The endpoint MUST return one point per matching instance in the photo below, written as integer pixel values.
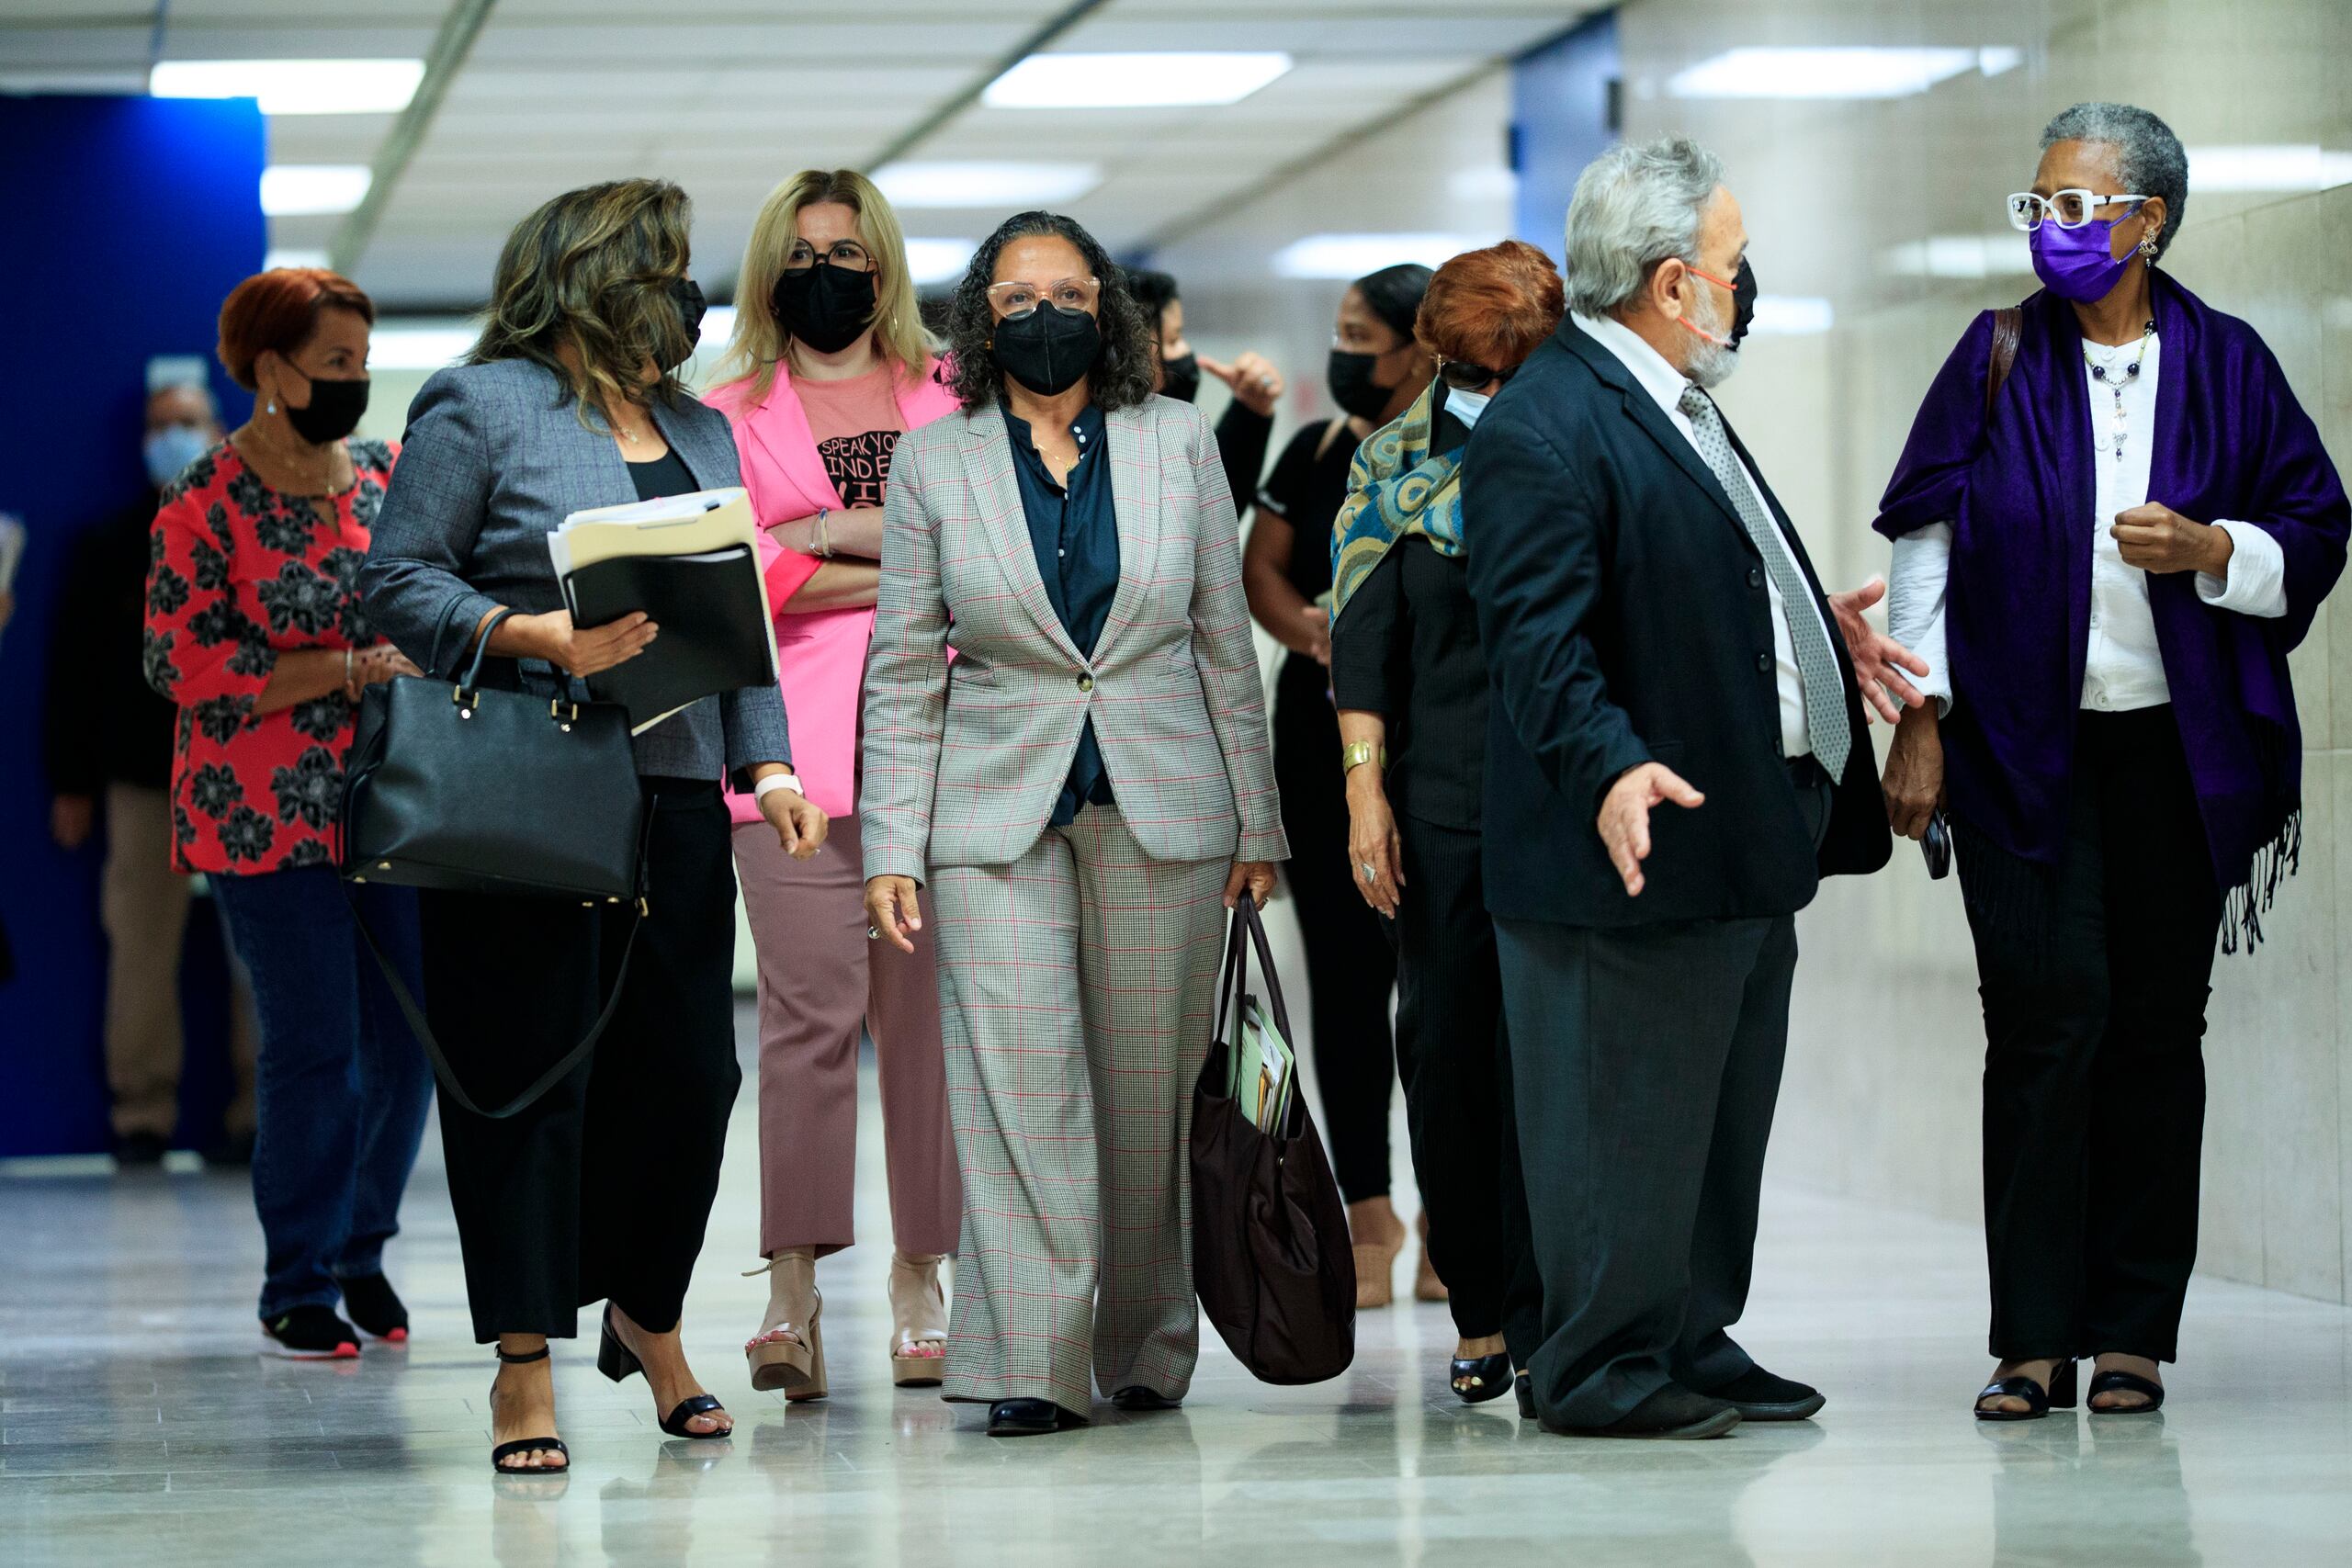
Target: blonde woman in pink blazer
(828, 366)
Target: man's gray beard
(1710, 363)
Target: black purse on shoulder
(476, 790)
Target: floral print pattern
(238, 575)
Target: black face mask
(334, 412)
(1180, 377)
(824, 306)
(1742, 301)
(1049, 350)
(691, 307)
(1352, 388)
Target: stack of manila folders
(692, 564)
(1264, 1071)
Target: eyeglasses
(2067, 209)
(847, 255)
(1018, 299)
(1464, 377)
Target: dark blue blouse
(1075, 531)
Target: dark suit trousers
(2095, 974)
(601, 1190)
(1646, 1061)
(1455, 1059)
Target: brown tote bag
(1270, 1259)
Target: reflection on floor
(137, 1426)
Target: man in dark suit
(1676, 757)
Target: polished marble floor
(139, 1427)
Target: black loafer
(1673, 1412)
(1137, 1397)
(1757, 1396)
(1024, 1417)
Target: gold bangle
(1356, 753)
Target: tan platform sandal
(1376, 1260)
(1427, 1286)
(919, 1312)
(790, 1353)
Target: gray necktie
(1825, 694)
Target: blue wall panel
(1562, 114)
(128, 221)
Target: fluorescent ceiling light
(420, 344)
(1790, 315)
(981, 184)
(304, 190)
(1760, 73)
(1353, 255)
(2268, 168)
(1132, 81)
(294, 86)
(937, 261)
(282, 255)
(2006, 255)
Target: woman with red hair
(255, 630)
(1410, 682)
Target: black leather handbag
(1270, 1259)
(475, 789)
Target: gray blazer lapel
(697, 443)
(1135, 458)
(987, 464)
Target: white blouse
(2124, 669)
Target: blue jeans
(341, 1083)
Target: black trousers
(1646, 1063)
(1455, 1058)
(601, 1189)
(1350, 968)
(2095, 974)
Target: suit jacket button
(1763, 661)
(1754, 578)
(1086, 683)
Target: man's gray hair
(2149, 158)
(1635, 206)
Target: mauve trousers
(820, 979)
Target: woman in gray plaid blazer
(1087, 788)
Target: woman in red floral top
(255, 630)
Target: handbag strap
(1247, 928)
(468, 681)
(2008, 332)
(566, 1064)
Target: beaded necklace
(2105, 373)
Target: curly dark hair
(1121, 377)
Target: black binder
(713, 619)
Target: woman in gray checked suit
(1088, 788)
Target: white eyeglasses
(2067, 209)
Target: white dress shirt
(1664, 384)
(2123, 669)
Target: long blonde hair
(594, 268)
(760, 341)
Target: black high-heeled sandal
(620, 1363)
(1477, 1379)
(527, 1445)
(2039, 1401)
(2118, 1382)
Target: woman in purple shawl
(2105, 558)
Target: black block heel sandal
(2126, 1383)
(618, 1362)
(524, 1445)
(1477, 1379)
(2037, 1403)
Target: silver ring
(1366, 868)
(873, 933)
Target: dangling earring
(271, 407)
(2148, 246)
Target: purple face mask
(2078, 264)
